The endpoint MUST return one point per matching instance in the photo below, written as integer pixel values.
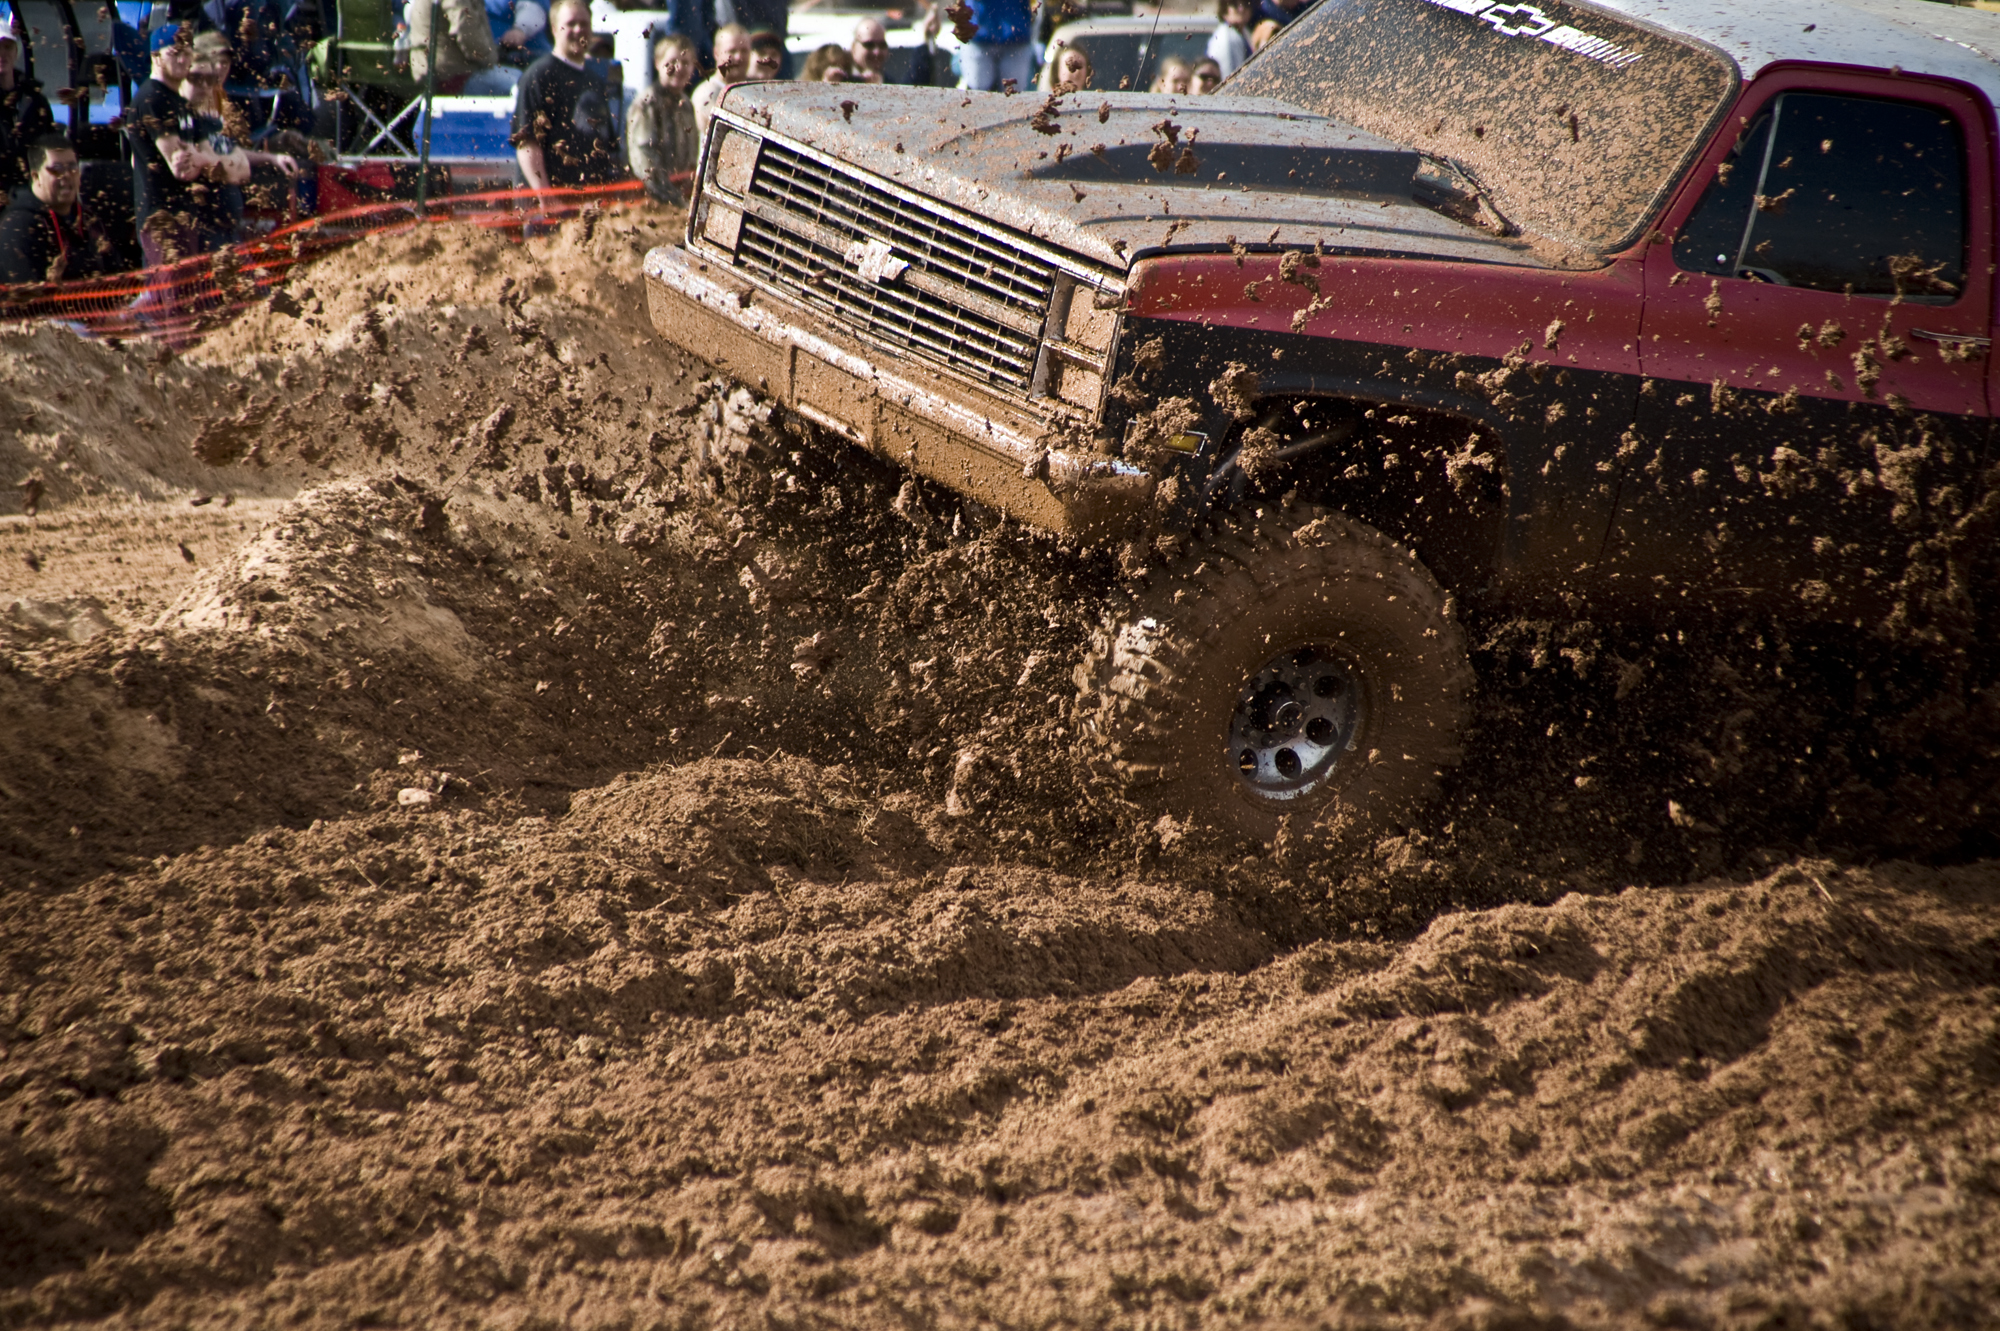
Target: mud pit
(610, 864)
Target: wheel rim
(1295, 719)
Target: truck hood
(1118, 176)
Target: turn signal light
(721, 224)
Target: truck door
(1815, 338)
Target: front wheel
(1305, 668)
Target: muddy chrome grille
(967, 301)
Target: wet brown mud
(608, 862)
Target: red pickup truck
(1645, 307)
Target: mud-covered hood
(1115, 176)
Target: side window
(1835, 193)
(1713, 235)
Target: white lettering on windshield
(1531, 21)
(1596, 48)
(1517, 20)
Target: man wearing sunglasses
(870, 50)
(45, 235)
(183, 162)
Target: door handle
(1953, 339)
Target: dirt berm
(497, 829)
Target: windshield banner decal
(1530, 21)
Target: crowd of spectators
(665, 125)
(211, 116)
(198, 128)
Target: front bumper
(979, 445)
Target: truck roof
(1919, 36)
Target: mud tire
(1160, 688)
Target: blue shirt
(1000, 22)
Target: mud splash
(543, 842)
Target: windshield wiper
(1471, 203)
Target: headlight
(735, 160)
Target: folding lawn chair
(371, 73)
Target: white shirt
(704, 98)
(1229, 48)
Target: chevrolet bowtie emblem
(875, 261)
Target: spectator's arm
(234, 166)
(192, 161)
(187, 161)
(725, 13)
(703, 99)
(534, 169)
(642, 154)
(531, 124)
(466, 21)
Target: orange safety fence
(174, 302)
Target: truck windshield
(1574, 122)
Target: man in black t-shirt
(181, 161)
(564, 133)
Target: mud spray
(498, 829)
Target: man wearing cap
(259, 43)
(45, 235)
(24, 112)
(767, 56)
(181, 160)
(755, 15)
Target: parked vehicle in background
(813, 28)
(1639, 308)
(1125, 53)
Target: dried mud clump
(1153, 434)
